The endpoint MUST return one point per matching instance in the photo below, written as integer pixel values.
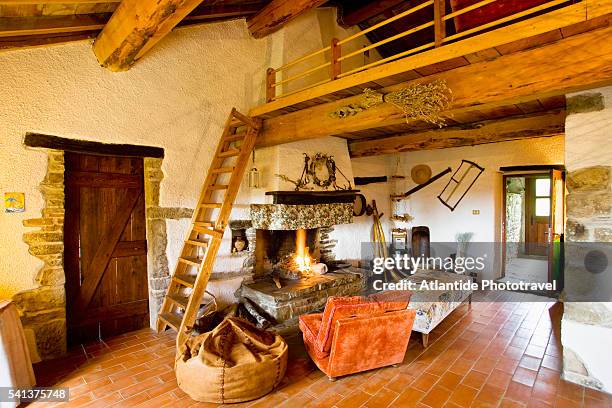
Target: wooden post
(439, 23)
(336, 68)
(270, 81)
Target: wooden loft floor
(507, 83)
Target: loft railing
(334, 57)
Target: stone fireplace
(294, 249)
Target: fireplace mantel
(313, 197)
(293, 217)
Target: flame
(302, 257)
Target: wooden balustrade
(439, 22)
(336, 51)
(334, 57)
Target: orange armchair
(356, 334)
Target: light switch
(475, 212)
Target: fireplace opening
(288, 254)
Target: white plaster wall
(177, 97)
(354, 239)
(485, 195)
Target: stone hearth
(306, 295)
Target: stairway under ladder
(208, 223)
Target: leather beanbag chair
(235, 362)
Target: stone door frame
(43, 308)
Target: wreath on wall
(320, 171)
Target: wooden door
(105, 246)
(557, 227)
(537, 215)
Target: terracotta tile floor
(492, 355)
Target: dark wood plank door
(105, 246)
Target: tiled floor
(495, 354)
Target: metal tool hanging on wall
(421, 186)
(460, 183)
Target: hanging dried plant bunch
(422, 101)
(418, 102)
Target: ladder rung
(172, 319)
(191, 260)
(213, 232)
(205, 224)
(223, 170)
(247, 120)
(218, 187)
(178, 299)
(210, 205)
(196, 243)
(185, 280)
(229, 153)
(234, 137)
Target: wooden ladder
(209, 220)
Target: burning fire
(302, 257)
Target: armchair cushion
(329, 317)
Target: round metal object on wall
(359, 206)
(420, 173)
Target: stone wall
(43, 309)
(157, 239)
(586, 328)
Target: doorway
(105, 246)
(533, 222)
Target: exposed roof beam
(19, 26)
(368, 11)
(203, 12)
(277, 13)
(24, 41)
(490, 131)
(22, 2)
(576, 63)
(135, 27)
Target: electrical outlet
(475, 212)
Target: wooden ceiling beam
(135, 27)
(471, 134)
(23, 2)
(368, 11)
(277, 13)
(22, 26)
(580, 62)
(203, 12)
(28, 41)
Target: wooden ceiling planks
(26, 23)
